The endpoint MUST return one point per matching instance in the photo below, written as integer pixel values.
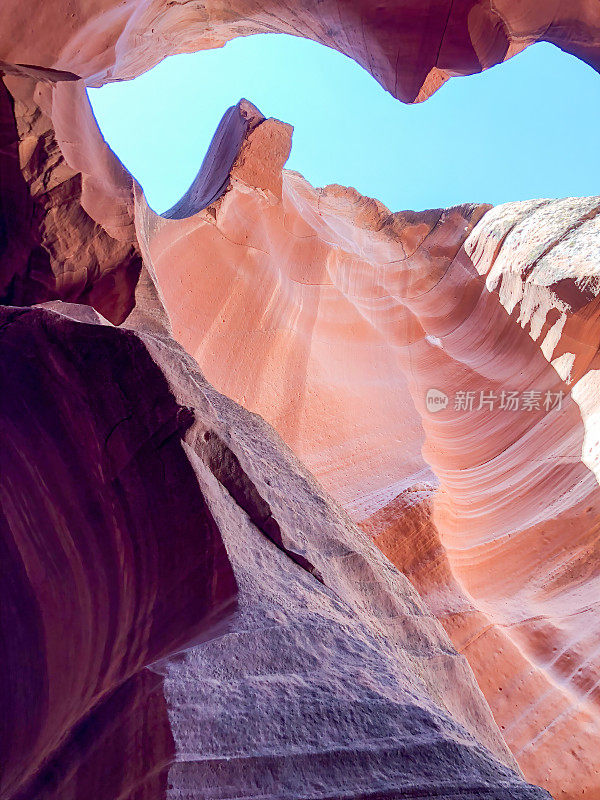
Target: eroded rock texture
(331, 680)
(347, 316)
(444, 325)
(185, 612)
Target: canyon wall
(326, 675)
(334, 320)
(185, 610)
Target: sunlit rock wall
(139, 504)
(335, 319)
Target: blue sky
(528, 128)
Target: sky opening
(524, 129)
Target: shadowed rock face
(213, 177)
(50, 246)
(331, 680)
(102, 573)
(184, 611)
(496, 522)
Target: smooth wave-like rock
(331, 680)
(409, 47)
(313, 293)
(139, 504)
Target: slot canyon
(299, 496)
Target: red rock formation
(102, 573)
(121, 508)
(63, 242)
(332, 679)
(409, 47)
(78, 243)
(316, 284)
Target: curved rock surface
(333, 319)
(77, 242)
(132, 519)
(332, 680)
(411, 48)
(101, 574)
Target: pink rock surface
(79, 243)
(409, 47)
(136, 498)
(332, 680)
(313, 293)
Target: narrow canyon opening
(522, 130)
(336, 320)
(300, 493)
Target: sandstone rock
(332, 680)
(137, 499)
(410, 48)
(111, 556)
(322, 288)
(56, 247)
(78, 242)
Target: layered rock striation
(185, 611)
(323, 289)
(330, 680)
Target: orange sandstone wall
(332, 318)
